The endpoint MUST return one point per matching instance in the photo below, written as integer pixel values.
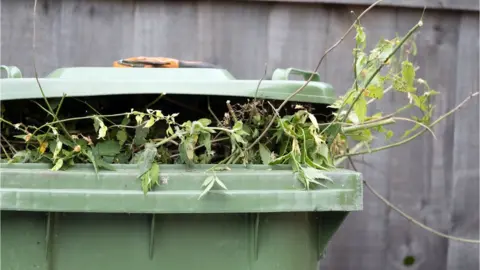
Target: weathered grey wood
(240, 40)
(464, 190)
(158, 29)
(471, 5)
(17, 35)
(362, 240)
(296, 37)
(440, 46)
(424, 194)
(95, 33)
(435, 181)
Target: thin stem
(355, 59)
(368, 125)
(341, 159)
(94, 110)
(154, 101)
(211, 112)
(418, 123)
(56, 115)
(166, 140)
(410, 218)
(232, 113)
(260, 82)
(267, 128)
(44, 109)
(80, 118)
(9, 144)
(9, 123)
(222, 129)
(5, 152)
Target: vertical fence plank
(17, 35)
(297, 36)
(240, 37)
(465, 177)
(95, 33)
(166, 30)
(420, 171)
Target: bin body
(72, 220)
(284, 241)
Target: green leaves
(99, 127)
(360, 37)
(108, 148)
(209, 183)
(187, 150)
(374, 91)
(150, 177)
(406, 80)
(149, 169)
(206, 140)
(140, 135)
(58, 148)
(408, 76)
(100, 152)
(265, 154)
(314, 121)
(58, 165)
(122, 136)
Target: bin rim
(256, 188)
(104, 81)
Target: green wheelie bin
(78, 219)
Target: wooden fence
(436, 181)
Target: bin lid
(102, 81)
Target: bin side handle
(283, 74)
(12, 71)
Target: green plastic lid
(101, 81)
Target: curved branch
(410, 218)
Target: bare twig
(9, 144)
(211, 112)
(410, 218)
(260, 82)
(94, 110)
(5, 152)
(230, 109)
(256, 92)
(368, 125)
(149, 105)
(355, 59)
(416, 122)
(265, 130)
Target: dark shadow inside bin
(189, 107)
